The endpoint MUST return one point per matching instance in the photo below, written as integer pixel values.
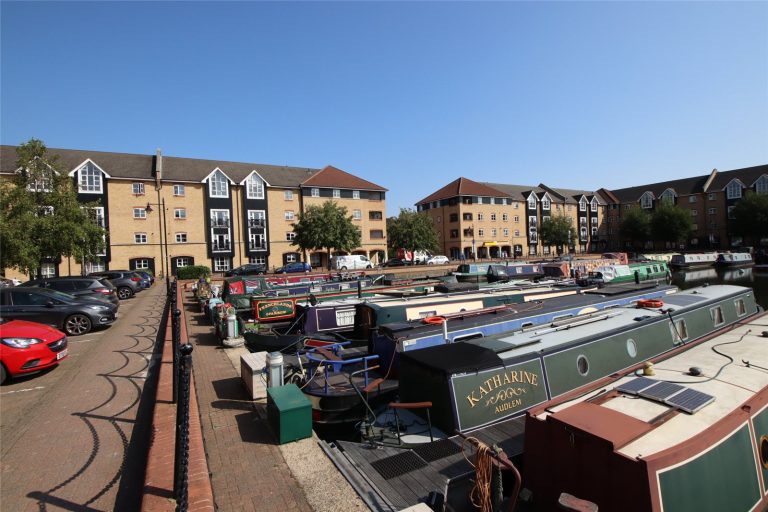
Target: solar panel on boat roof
(635, 385)
(684, 300)
(661, 390)
(689, 400)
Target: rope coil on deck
(650, 303)
(434, 320)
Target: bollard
(181, 460)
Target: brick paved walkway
(248, 470)
(78, 444)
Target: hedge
(193, 272)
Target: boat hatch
(674, 395)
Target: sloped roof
(747, 176)
(463, 187)
(195, 170)
(571, 195)
(117, 165)
(683, 186)
(330, 176)
(517, 192)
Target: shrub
(193, 272)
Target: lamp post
(474, 251)
(164, 261)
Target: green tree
(40, 216)
(670, 223)
(750, 218)
(412, 231)
(326, 227)
(556, 230)
(635, 226)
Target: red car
(28, 347)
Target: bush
(193, 272)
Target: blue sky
(407, 95)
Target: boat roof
(735, 383)
(581, 328)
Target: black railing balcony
(221, 246)
(256, 223)
(257, 246)
(582, 222)
(219, 223)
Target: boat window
(679, 331)
(526, 324)
(764, 451)
(583, 365)
(345, 317)
(741, 308)
(648, 270)
(466, 337)
(631, 348)
(716, 314)
(425, 314)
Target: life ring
(650, 303)
(434, 320)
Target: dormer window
(646, 201)
(89, 179)
(532, 202)
(545, 204)
(667, 196)
(733, 190)
(761, 185)
(218, 185)
(593, 204)
(255, 187)
(582, 204)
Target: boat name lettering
(503, 379)
(268, 309)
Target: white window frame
(358, 215)
(183, 261)
(138, 188)
(181, 238)
(505, 232)
(257, 260)
(532, 202)
(480, 216)
(761, 184)
(336, 193)
(180, 213)
(47, 269)
(517, 232)
(355, 194)
(593, 204)
(218, 185)
(254, 187)
(140, 238)
(505, 217)
(546, 204)
(290, 235)
(288, 195)
(179, 190)
(314, 192)
(646, 201)
(289, 215)
(139, 264)
(140, 213)
(480, 233)
(221, 263)
(733, 190)
(97, 185)
(692, 199)
(493, 217)
(583, 204)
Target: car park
(127, 282)
(29, 347)
(249, 269)
(438, 260)
(73, 315)
(296, 266)
(147, 279)
(79, 286)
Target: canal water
(757, 280)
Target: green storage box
(289, 413)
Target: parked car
(249, 269)
(85, 286)
(296, 266)
(350, 262)
(396, 262)
(438, 260)
(4, 281)
(73, 315)
(146, 277)
(127, 282)
(29, 347)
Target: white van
(350, 262)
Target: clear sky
(408, 95)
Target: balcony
(219, 223)
(257, 223)
(375, 216)
(257, 246)
(221, 246)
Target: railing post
(181, 460)
(175, 344)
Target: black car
(73, 315)
(249, 269)
(396, 262)
(93, 287)
(127, 282)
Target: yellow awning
(489, 244)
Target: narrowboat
(636, 271)
(484, 387)
(692, 436)
(511, 271)
(693, 260)
(391, 340)
(734, 259)
(472, 273)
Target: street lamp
(163, 223)
(472, 232)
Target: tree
(750, 218)
(412, 231)
(40, 216)
(670, 223)
(556, 230)
(635, 226)
(326, 227)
